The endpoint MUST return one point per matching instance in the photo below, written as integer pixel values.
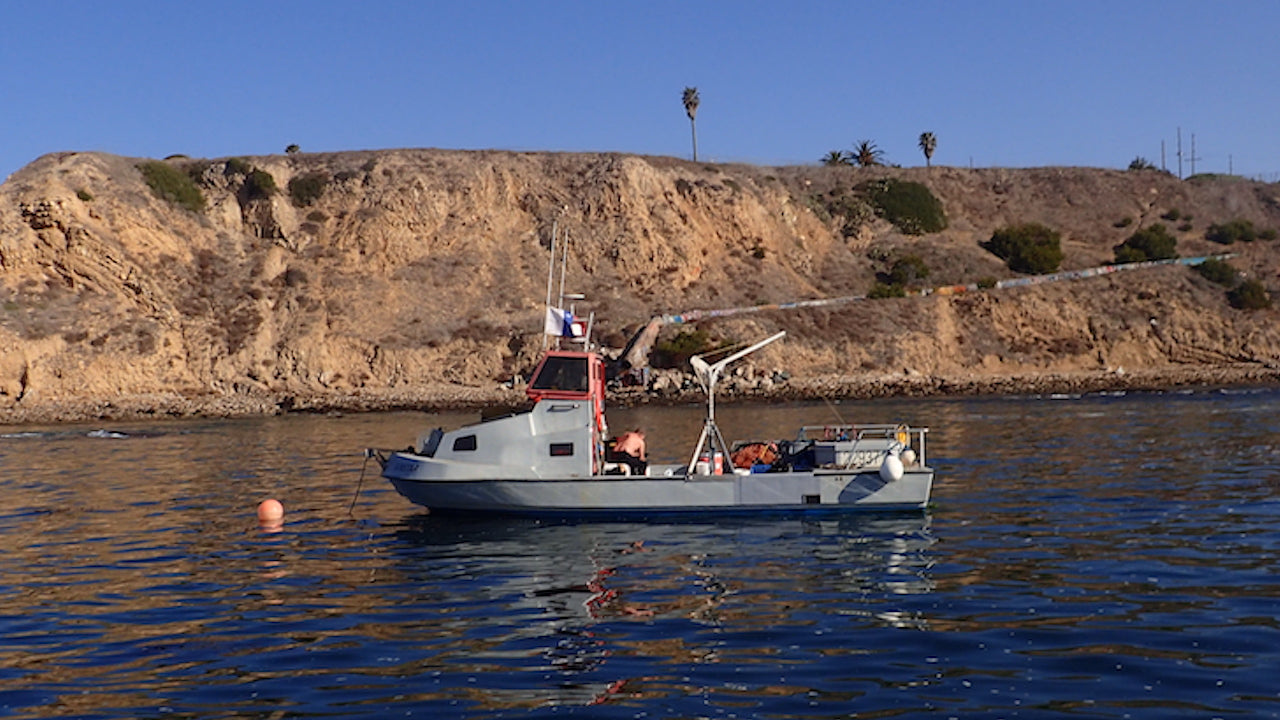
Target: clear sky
(1015, 84)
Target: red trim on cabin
(573, 375)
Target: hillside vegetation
(396, 278)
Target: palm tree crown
(866, 154)
(690, 99)
(928, 143)
(837, 157)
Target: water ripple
(1101, 556)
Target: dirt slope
(419, 276)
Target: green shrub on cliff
(237, 166)
(306, 189)
(1149, 243)
(886, 290)
(907, 269)
(1230, 232)
(172, 185)
(849, 211)
(1217, 271)
(1249, 295)
(910, 206)
(1028, 248)
(260, 185)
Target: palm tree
(866, 154)
(691, 100)
(928, 143)
(1141, 163)
(837, 157)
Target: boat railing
(904, 435)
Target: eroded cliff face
(415, 271)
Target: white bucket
(710, 464)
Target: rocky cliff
(391, 278)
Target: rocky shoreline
(456, 397)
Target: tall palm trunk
(928, 143)
(690, 99)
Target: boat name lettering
(864, 457)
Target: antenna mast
(551, 271)
(1193, 157)
(1179, 153)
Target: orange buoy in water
(270, 511)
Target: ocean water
(1097, 556)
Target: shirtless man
(630, 450)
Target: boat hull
(667, 491)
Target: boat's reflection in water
(596, 610)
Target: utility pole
(1179, 153)
(1193, 157)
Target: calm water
(1086, 557)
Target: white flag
(562, 323)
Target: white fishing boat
(551, 460)
(555, 458)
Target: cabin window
(466, 442)
(562, 373)
(561, 449)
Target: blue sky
(1013, 84)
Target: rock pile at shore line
(453, 397)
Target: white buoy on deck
(891, 469)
